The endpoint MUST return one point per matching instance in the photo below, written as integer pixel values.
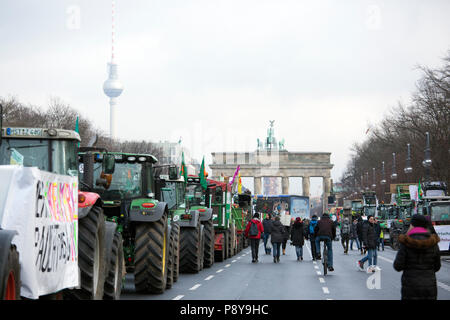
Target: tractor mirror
(109, 163)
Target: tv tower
(112, 87)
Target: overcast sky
(215, 72)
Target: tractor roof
(39, 133)
(127, 156)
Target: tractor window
(64, 157)
(440, 212)
(26, 152)
(196, 195)
(126, 180)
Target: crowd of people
(418, 256)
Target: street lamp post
(427, 162)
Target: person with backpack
(345, 234)
(354, 235)
(311, 236)
(253, 232)
(277, 236)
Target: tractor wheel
(113, 282)
(219, 255)
(230, 244)
(91, 257)
(11, 278)
(191, 250)
(209, 244)
(173, 256)
(202, 246)
(394, 241)
(176, 262)
(151, 256)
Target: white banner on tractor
(443, 231)
(43, 208)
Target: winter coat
(325, 227)
(418, 258)
(377, 229)
(267, 224)
(297, 234)
(369, 235)
(277, 233)
(345, 227)
(260, 229)
(359, 228)
(287, 232)
(353, 233)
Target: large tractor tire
(230, 244)
(91, 257)
(11, 276)
(176, 269)
(113, 282)
(173, 255)
(151, 257)
(209, 237)
(393, 237)
(219, 255)
(191, 250)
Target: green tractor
(148, 231)
(190, 204)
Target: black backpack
(253, 229)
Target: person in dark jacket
(287, 232)
(354, 235)
(359, 230)
(310, 235)
(277, 237)
(419, 259)
(325, 230)
(297, 237)
(267, 224)
(254, 239)
(370, 240)
(345, 233)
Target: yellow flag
(239, 184)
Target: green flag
(183, 170)
(77, 129)
(419, 191)
(202, 175)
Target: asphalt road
(238, 278)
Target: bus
(288, 207)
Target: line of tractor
(124, 214)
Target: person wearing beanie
(253, 232)
(419, 259)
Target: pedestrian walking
(370, 239)
(287, 232)
(345, 234)
(377, 232)
(418, 257)
(354, 235)
(312, 237)
(297, 237)
(267, 224)
(253, 232)
(277, 237)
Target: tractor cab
(51, 150)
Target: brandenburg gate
(272, 160)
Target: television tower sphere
(112, 87)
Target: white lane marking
(316, 267)
(234, 260)
(322, 280)
(325, 290)
(443, 286)
(209, 278)
(178, 297)
(227, 265)
(195, 287)
(220, 270)
(319, 273)
(386, 259)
